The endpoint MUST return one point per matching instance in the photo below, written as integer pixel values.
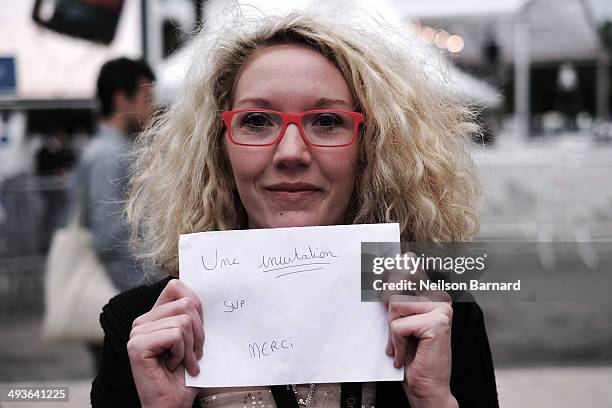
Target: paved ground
(25, 357)
(558, 387)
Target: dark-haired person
(124, 92)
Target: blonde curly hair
(414, 165)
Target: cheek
(340, 170)
(245, 165)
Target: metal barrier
(31, 208)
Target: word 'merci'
(269, 347)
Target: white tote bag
(76, 286)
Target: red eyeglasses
(321, 128)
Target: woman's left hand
(420, 340)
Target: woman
(242, 148)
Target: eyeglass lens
(321, 128)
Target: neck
(116, 122)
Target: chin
(295, 220)
(287, 222)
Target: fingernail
(396, 364)
(388, 350)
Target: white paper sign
(283, 306)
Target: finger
(190, 360)
(426, 326)
(174, 290)
(404, 349)
(433, 296)
(390, 350)
(399, 346)
(389, 347)
(436, 296)
(430, 328)
(400, 306)
(393, 277)
(154, 344)
(417, 319)
(406, 305)
(186, 324)
(177, 348)
(181, 306)
(423, 327)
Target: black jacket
(472, 375)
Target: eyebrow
(319, 104)
(256, 101)
(324, 102)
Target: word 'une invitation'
(283, 306)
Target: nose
(292, 150)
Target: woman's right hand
(165, 341)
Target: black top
(472, 376)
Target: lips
(299, 187)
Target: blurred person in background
(53, 158)
(53, 162)
(125, 94)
